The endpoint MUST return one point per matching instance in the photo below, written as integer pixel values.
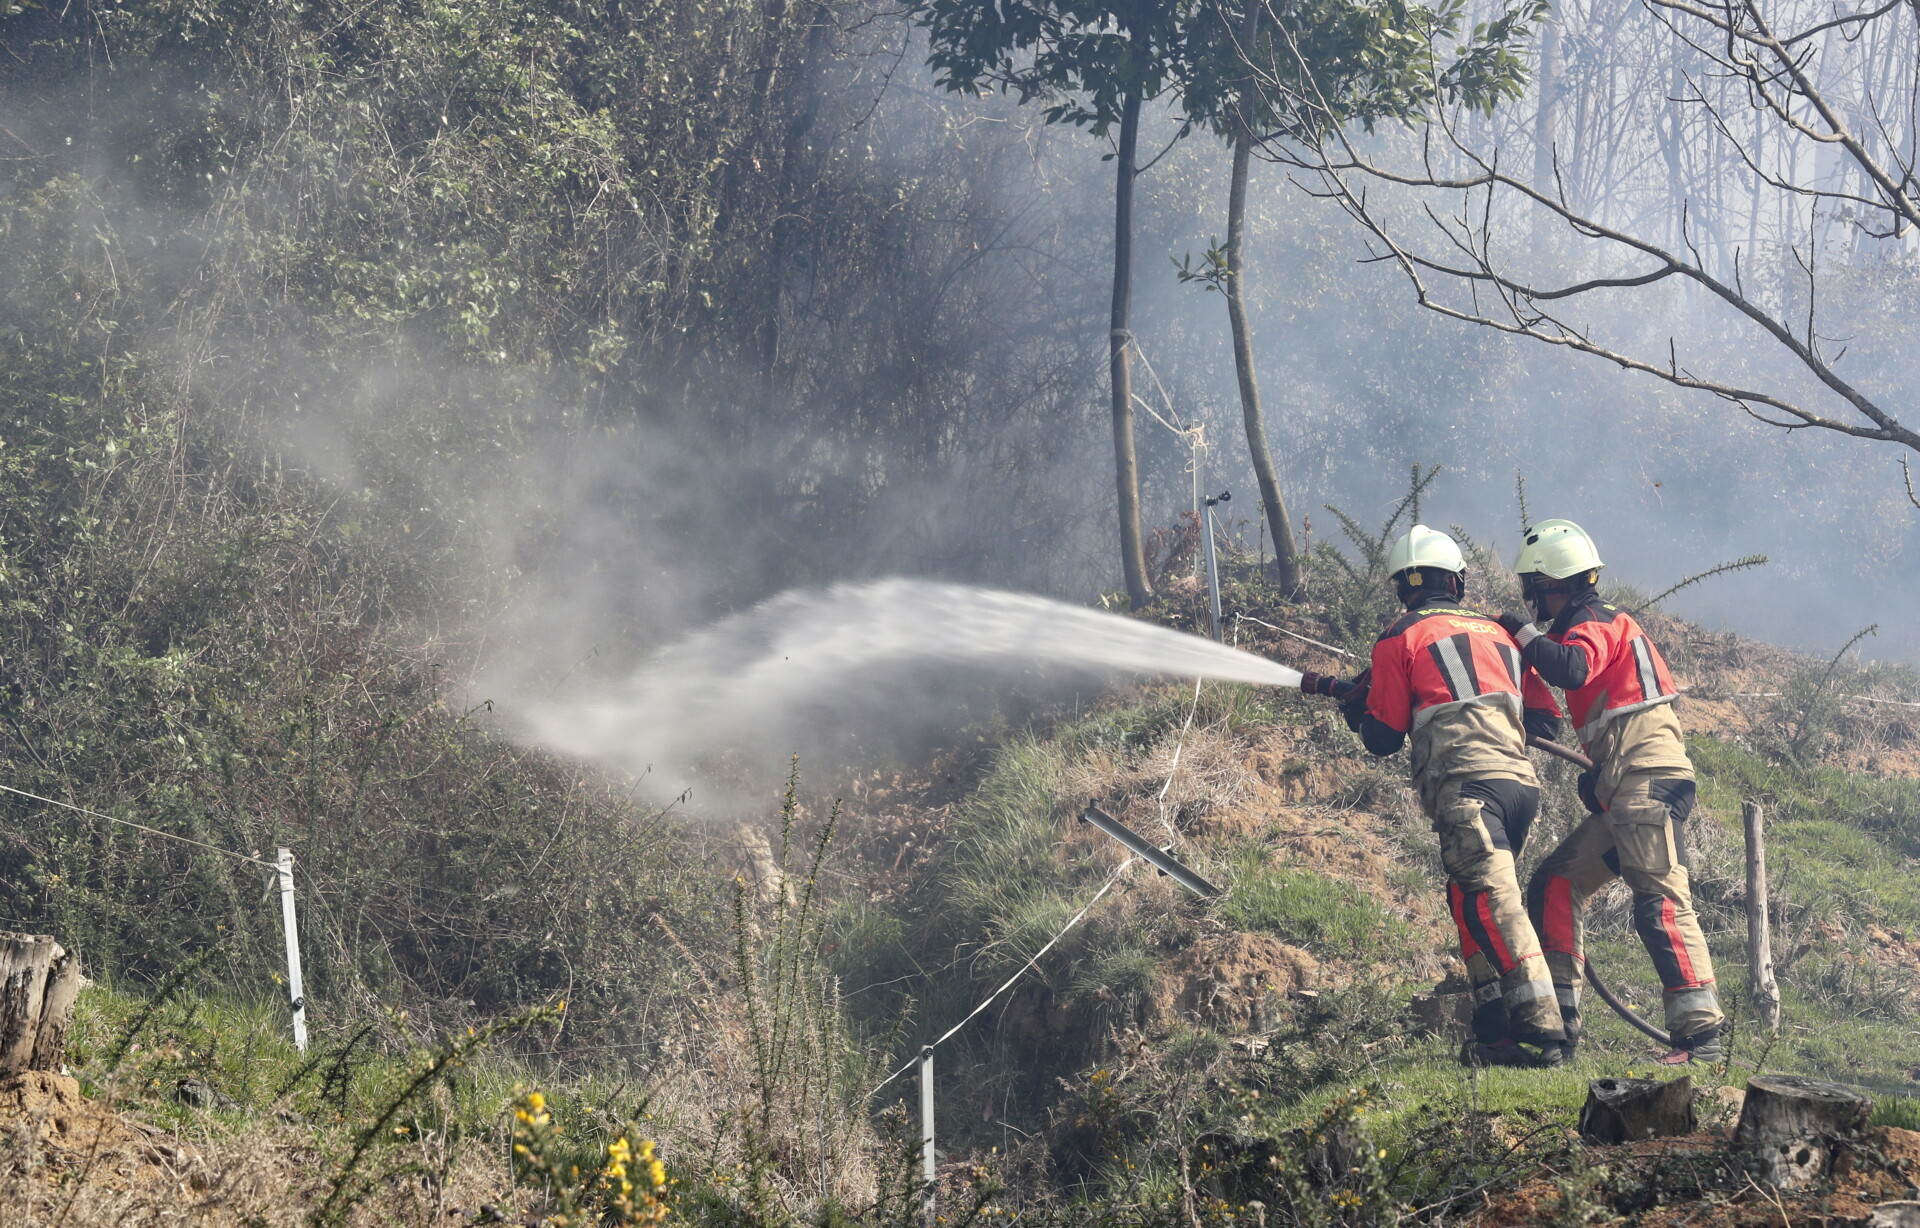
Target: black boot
(1512, 1053)
(1704, 1048)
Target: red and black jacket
(1603, 659)
(1440, 656)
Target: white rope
(1173, 769)
(1008, 984)
(1179, 747)
(1196, 431)
(1194, 436)
(1865, 699)
(1295, 634)
(151, 831)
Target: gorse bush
(623, 1185)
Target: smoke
(935, 408)
(1360, 384)
(857, 671)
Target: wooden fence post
(1764, 988)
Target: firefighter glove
(1587, 795)
(1353, 699)
(1514, 622)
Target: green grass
(1886, 808)
(244, 1051)
(1900, 1111)
(1311, 910)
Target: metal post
(1213, 562)
(296, 990)
(1162, 859)
(1765, 989)
(926, 1135)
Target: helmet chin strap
(1537, 588)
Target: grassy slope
(1269, 796)
(949, 879)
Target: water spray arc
(804, 667)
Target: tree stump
(1628, 1110)
(39, 980)
(1792, 1125)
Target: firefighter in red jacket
(1453, 682)
(1641, 789)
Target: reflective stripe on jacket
(1619, 671)
(1441, 656)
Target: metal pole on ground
(296, 989)
(927, 1175)
(1213, 561)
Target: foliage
(627, 1188)
(1313, 68)
(1355, 592)
(1080, 58)
(1809, 703)
(348, 1186)
(1718, 569)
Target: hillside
(1320, 985)
(367, 372)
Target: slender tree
(1256, 73)
(1093, 64)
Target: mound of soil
(1224, 980)
(49, 1109)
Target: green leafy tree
(1257, 73)
(1093, 64)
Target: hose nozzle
(1326, 684)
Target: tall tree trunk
(1126, 463)
(1545, 129)
(1286, 561)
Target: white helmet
(1558, 549)
(1424, 547)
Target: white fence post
(296, 989)
(1765, 989)
(927, 1175)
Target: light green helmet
(1558, 549)
(1426, 548)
